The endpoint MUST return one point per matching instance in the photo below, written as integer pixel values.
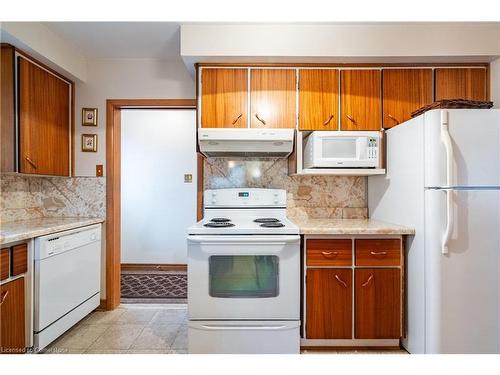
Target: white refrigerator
(443, 179)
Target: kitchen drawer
(19, 259)
(4, 263)
(322, 252)
(375, 252)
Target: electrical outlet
(99, 170)
(188, 178)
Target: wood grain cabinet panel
(403, 92)
(324, 252)
(318, 99)
(19, 259)
(377, 303)
(7, 105)
(329, 304)
(460, 83)
(273, 98)
(224, 98)
(4, 263)
(360, 101)
(44, 121)
(378, 252)
(12, 323)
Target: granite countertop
(11, 231)
(349, 226)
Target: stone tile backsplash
(28, 197)
(308, 196)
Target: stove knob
(214, 193)
(275, 201)
(214, 201)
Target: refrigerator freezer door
(475, 141)
(462, 287)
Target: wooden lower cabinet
(378, 303)
(329, 303)
(12, 321)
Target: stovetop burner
(266, 220)
(220, 220)
(215, 224)
(272, 225)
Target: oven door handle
(254, 240)
(218, 327)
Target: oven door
(237, 277)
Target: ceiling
(158, 40)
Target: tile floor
(130, 329)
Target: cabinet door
(224, 94)
(377, 303)
(329, 303)
(12, 324)
(7, 126)
(44, 121)
(360, 100)
(403, 92)
(460, 83)
(318, 99)
(273, 98)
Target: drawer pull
(261, 120)
(328, 121)
(4, 296)
(351, 119)
(237, 118)
(393, 119)
(326, 254)
(341, 281)
(378, 253)
(367, 281)
(31, 162)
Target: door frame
(113, 182)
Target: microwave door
(336, 152)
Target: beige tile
(103, 317)
(106, 351)
(173, 316)
(149, 351)
(178, 351)
(136, 316)
(56, 350)
(181, 340)
(156, 337)
(79, 337)
(119, 336)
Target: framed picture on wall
(89, 142)
(89, 116)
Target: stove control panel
(238, 197)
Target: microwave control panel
(372, 148)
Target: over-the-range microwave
(342, 149)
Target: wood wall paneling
(7, 118)
(12, 317)
(404, 91)
(273, 98)
(460, 83)
(224, 98)
(360, 100)
(44, 121)
(318, 99)
(329, 303)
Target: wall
(495, 82)
(308, 196)
(123, 79)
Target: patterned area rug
(171, 285)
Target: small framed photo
(89, 116)
(89, 142)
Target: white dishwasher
(67, 281)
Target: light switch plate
(99, 170)
(188, 178)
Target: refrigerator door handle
(446, 140)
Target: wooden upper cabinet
(403, 92)
(329, 303)
(44, 121)
(273, 98)
(318, 99)
(224, 94)
(7, 125)
(460, 83)
(360, 100)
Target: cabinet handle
(4, 296)
(367, 281)
(341, 281)
(328, 253)
(236, 119)
(351, 119)
(32, 163)
(378, 253)
(393, 118)
(258, 118)
(328, 121)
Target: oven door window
(243, 276)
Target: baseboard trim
(153, 267)
(102, 305)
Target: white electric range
(244, 274)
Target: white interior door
(462, 287)
(158, 148)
